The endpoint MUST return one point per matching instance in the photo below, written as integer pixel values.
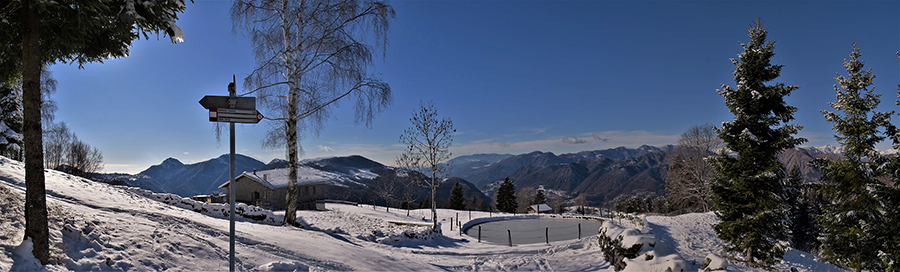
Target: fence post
(579, 231)
(451, 223)
(547, 235)
(479, 234)
(459, 226)
(509, 234)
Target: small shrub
(612, 250)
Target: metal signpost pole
(231, 109)
(232, 94)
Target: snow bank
(218, 210)
(23, 260)
(285, 266)
(714, 263)
(361, 223)
(653, 255)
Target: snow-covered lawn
(95, 226)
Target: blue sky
(514, 76)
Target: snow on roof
(541, 208)
(276, 178)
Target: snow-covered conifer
(746, 191)
(539, 198)
(457, 200)
(506, 197)
(801, 212)
(11, 121)
(890, 199)
(854, 212)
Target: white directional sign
(234, 115)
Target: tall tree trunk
(290, 212)
(36, 226)
(433, 207)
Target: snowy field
(95, 226)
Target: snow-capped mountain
(601, 174)
(463, 165)
(197, 178)
(825, 149)
(354, 174)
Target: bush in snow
(614, 252)
(414, 236)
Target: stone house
(268, 189)
(539, 208)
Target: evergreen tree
(506, 197)
(37, 33)
(11, 141)
(746, 191)
(457, 201)
(539, 198)
(852, 218)
(804, 233)
(890, 197)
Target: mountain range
(357, 176)
(600, 175)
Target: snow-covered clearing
(96, 226)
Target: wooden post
(459, 227)
(547, 235)
(470, 214)
(451, 223)
(509, 234)
(479, 234)
(579, 231)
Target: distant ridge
(354, 173)
(602, 175)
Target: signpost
(219, 101)
(234, 115)
(231, 109)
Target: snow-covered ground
(95, 226)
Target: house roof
(541, 208)
(276, 178)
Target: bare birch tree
(428, 143)
(404, 165)
(83, 159)
(384, 187)
(310, 55)
(689, 176)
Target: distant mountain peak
(825, 149)
(171, 162)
